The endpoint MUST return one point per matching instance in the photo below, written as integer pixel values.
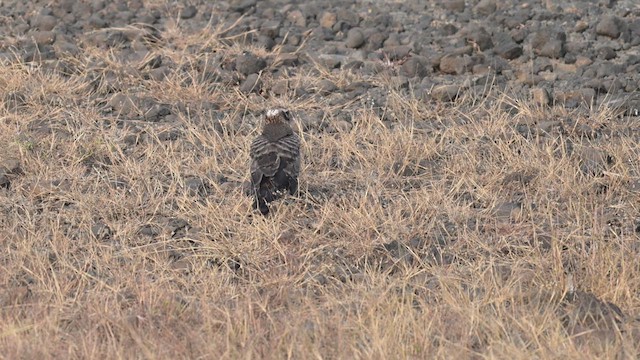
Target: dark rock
(506, 210)
(328, 19)
(122, 104)
(177, 226)
(355, 38)
(101, 231)
(188, 12)
(415, 66)
(297, 18)
(280, 87)
(14, 101)
(248, 63)
(375, 40)
(149, 230)
(116, 39)
(485, 7)
(332, 61)
(397, 52)
(43, 22)
(593, 161)
(62, 47)
(628, 105)
(242, 6)
(610, 26)
(270, 28)
(44, 37)
(251, 84)
(357, 86)
(454, 5)
(509, 50)
(445, 92)
(157, 112)
(169, 135)
(12, 166)
(455, 64)
(606, 53)
(574, 98)
(549, 43)
(326, 87)
(197, 186)
(159, 73)
(478, 36)
(540, 96)
(97, 22)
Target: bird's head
(278, 116)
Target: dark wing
(274, 159)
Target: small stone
(101, 231)
(581, 26)
(540, 96)
(251, 84)
(509, 50)
(397, 52)
(415, 66)
(122, 104)
(196, 187)
(593, 161)
(328, 19)
(572, 99)
(12, 167)
(340, 126)
(606, 53)
(485, 7)
(270, 28)
(506, 210)
(610, 26)
(455, 64)
(446, 92)
(355, 38)
(159, 73)
(176, 224)
(332, 61)
(5, 182)
(44, 22)
(375, 40)
(280, 87)
(296, 17)
(326, 87)
(169, 135)
(149, 230)
(188, 12)
(478, 36)
(14, 101)
(65, 47)
(549, 43)
(44, 37)
(248, 63)
(97, 22)
(454, 5)
(157, 112)
(243, 5)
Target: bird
(275, 160)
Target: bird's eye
(287, 115)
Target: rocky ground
(466, 162)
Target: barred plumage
(275, 160)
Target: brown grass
(443, 233)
